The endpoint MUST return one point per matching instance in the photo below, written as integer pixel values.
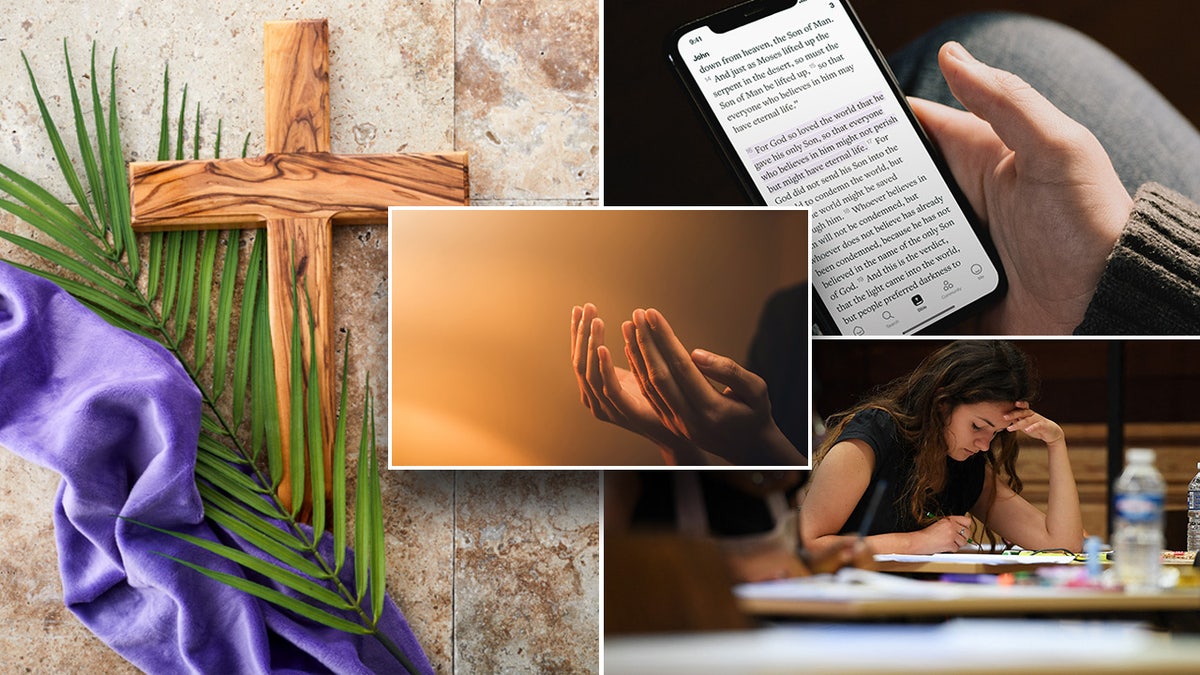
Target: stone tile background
(496, 571)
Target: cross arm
(352, 188)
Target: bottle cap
(1139, 456)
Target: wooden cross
(297, 191)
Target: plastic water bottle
(1138, 530)
(1193, 538)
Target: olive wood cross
(298, 190)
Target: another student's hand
(1042, 184)
(847, 552)
(945, 536)
(1022, 418)
(734, 423)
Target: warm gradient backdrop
(480, 309)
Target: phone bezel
(757, 10)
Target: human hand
(613, 394)
(1042, 184)
(945, 536)
(734, 423)
(1022, 418)
(847, 552)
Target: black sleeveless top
(894, 463)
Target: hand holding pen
(947, 535)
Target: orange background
(480, 315)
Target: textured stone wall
(497, 572)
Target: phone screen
(811, 119)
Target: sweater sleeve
(1151, 282)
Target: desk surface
(965, 565)
(958, 646)
(950, 563)
(883, 597)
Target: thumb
(742, 383)
(1020, 116)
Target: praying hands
(666, 395)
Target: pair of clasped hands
(666, 395)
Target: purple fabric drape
(118, 418)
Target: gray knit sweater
(1151, 283)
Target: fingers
(688, 378)
(1022, 418)
(587, 343)
(968, 144)
(576, 316)
(593, 373)
(1020, 116)
(741, 382)
(960, 521)
(581, 321)
(637, 363)
(657, 376)
(669, 379)
(961, 534)
(950, 533)
(620, 404)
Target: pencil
(865, 528)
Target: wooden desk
(958, 646)
(980, 601)
(883, 597)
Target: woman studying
(944, 440)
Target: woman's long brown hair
(967, 371)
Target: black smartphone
(809, 115)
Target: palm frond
(312, 417)
(170, 297)
(224, 323)
(339, 469)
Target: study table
(964, 600)
(959, 646)
(860, 621)
(854, 594)
(979, 563)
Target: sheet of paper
(977, 558)
(850, 585)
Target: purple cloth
(118, 418)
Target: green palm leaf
(296, 410)
(225, 313)
(208, 265)
(286, 601)
(316, 446)
(60, 151)
(171, 298)
(339, 468)
(283, 576)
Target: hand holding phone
(1042, 184)
(809, 116)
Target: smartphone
(809, 115)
